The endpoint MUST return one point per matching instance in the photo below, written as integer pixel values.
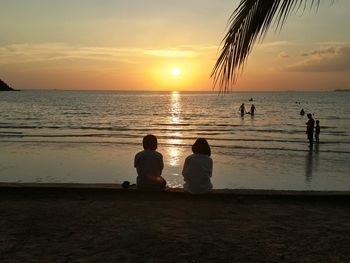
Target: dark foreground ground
(108, 225)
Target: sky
(135, 45)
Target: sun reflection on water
(175, 108)
(174, 150)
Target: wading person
(317, 131)
(310, 129)
(242, 109)
(252, 109)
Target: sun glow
(175, 72)
(177, 75)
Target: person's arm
(136, 159)
(161, 163)
(211, 167)
(185, 168)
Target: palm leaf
(250, 22)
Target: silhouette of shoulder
(148, 154)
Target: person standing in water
(302, 112)
(317, 131)
(252, 110)
(242, 109)
(310, 129)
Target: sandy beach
(102, 223)
(246, 100)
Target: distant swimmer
(242, 109)
(251, 99)
(302, 112)
(317, 131)
(252, 110)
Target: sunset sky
(163, 45)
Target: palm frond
(250, 22)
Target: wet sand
(110, 163)
(103, 223)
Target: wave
(10, 132)
(163, 137)
(200, 130)
(218, 147)
(279, 149)
(26, 127)
(332, 118)
(76, 113)
(97, 135)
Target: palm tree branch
(249, 23)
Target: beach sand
(106, 224)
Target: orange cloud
(333, 59)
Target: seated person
(149, 165)
(198, 168)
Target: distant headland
(5, 87)
(342, 90)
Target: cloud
(275, 44)
(171, 53)
(33, 53)
(36, 53)
(283, 55)
(331, 59)
(321, 52)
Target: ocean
(92, 137)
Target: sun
(175, 72)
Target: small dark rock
(126, 185)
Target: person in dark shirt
(310, 129)
(149, 165)
(302, 112)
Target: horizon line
(207, 91)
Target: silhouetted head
(317, 122)
(150, 142)
(309, 115)
(201, 146)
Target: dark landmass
(5, 87)
(69, 224)
(342, 90)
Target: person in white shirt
(198, 168)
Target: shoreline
(214, 192)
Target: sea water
(92, 137)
